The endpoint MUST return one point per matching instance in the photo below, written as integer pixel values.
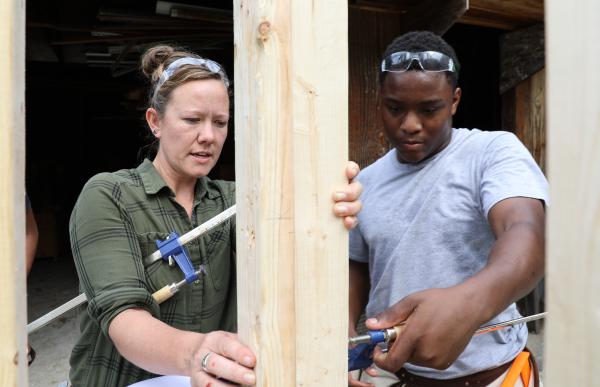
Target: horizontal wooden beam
(521, 55)
(504, 14)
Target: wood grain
(291, 149)
(13, 365)
(507, 15)
(521, 55)
(572, 345)
(524, 114)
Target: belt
(483, 378)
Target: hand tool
(171, 247)
(361, 356)
(159, 296)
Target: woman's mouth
(201, 157)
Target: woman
(126, 337)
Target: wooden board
(521, 55)
(572, 346)
(13, 365)
(291, 93)
(504, 14)
(524, 113)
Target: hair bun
(153, 59)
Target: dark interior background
(85, 99)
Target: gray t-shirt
(425, 226)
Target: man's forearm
(515, 266)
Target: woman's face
(193, 128)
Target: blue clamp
(360, 357)
(171, 247)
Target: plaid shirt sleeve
(107, 253)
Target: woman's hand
(346, 200)
(164, 350)
(221, 358)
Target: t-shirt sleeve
(358, 248)
(107, 254)
(508, 171)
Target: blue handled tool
(170, 249)
(361, 356)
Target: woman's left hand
(346, 200)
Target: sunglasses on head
(431, 61)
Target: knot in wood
(264, 29)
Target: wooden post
(291, 97)
(573, 268)
(13, 365)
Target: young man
(451, 233)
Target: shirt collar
(154, 183)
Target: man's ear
(456, 99)
(153, 120)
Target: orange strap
(520, 367)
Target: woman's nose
(206, 132)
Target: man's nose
(411, 123)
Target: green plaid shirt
(114, 225)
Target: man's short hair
(417, 41)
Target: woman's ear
(153, 120)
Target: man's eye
(430, 110)
(192, 120)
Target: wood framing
(523, 112)
(573, 268)
(291, 114)
(13, 366)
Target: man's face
(417, 109)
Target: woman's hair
(153, 64)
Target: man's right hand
(439, 325)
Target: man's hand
(346, 203)
(439, 325)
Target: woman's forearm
(153, 345)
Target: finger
(372, 371)
(221, 366)
(398, 353)
(352, 169)
(355, 382)
(232, 348)
(347, 208)
(348, 193)
(350, 222)
(202, 379)
(394, 315)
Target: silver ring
(205, 362)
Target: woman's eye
(221, 124)
(191, 120)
